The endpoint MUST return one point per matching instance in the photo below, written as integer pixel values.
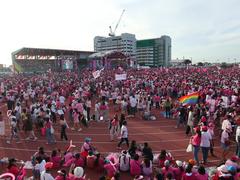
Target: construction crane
(112, 33)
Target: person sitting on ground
(56, 158)
(110, 168)
(179, 170)
(78, 160)
(189, 175)
(133, 148)
(124, 161)
(62, 175)
(135, 166)
(99, 162)
(147, 152)
(46, 175)
(201, 174)
(91, 159)
(147, 167)
(12, 167)
(86, 147)
(233, 161)
(163, 157)
(39, 167)
(167, 169)
(77, 173)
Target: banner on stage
(119, 77)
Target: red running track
(160, 134)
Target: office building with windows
(154, 52)
(125, 43)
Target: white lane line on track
(102, 152)
(107, 142)
(107, 134)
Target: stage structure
(34, 60)
(108, 60)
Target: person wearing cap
(62, 175)
(223, 173)
(167, 169)
(77, 173)
(179, 170)
(110, 167)
(225, 143)
(206, 139)
(233, 161)
(46, 175)
(86, 147)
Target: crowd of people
(37, 103)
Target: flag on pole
(96, 74)
(190, 98)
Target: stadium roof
(48, 52)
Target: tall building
(154, 52)
(125, 43)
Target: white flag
(96, 74)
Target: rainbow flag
(190, 98)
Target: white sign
(96, 74)
(119, 77)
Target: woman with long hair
(147, 167)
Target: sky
(201, 30)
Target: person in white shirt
(124, 135)
(205, 143)
(62, 100)
(226, 124)
(46, 175)
(124, 161)
(40, 166)
(225, 142)
(97, 106)
(238, 139)
(133, 105)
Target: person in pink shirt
(78, 160)
(110, 168)
(55, 158)
(62, 175)
(196, 141)
(201, 174)
(99, 163)
(90, 160)
(76, 115)
(189, 175)
(179, 170)
(167, 169)
(135, 166)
